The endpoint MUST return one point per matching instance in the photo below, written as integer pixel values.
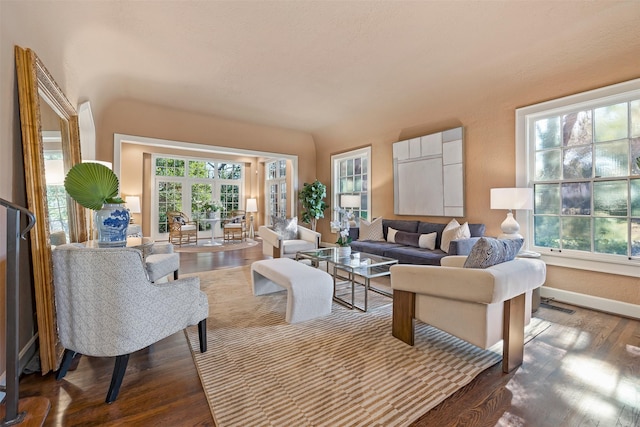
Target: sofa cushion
(371, 230)
(488, 251)
(372, 247)
(287, 228)
(391, 235)
(477, 230)
(454, 232)
(411, 255)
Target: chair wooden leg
(513, 333)
(202, 335)
(402, 322)
(67, 358)
(116, 379)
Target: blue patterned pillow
(488, 251)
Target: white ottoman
(309, 290)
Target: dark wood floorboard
(571, 376)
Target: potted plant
(95, 186)
(312, 200)
(342, 224)
(212, 208)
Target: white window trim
(335, 160)
(527, 115)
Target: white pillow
(371, 230)
(428, 241)
(453, 233)
(391, 235)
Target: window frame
(525, 159)
(335, 177)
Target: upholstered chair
(479, 305)
(162, 261)
(279, 245)
(106, 306)
(181, 228)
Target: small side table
(213, 222)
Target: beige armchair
(181, 228)
(107, 307)
(274, 245)
(480, 306)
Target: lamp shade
(512, 198)
(107, 164)
(252, 205)
(133, 204)
(349, 201)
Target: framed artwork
(428, 174)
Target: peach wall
(135, 118)
(489, 125)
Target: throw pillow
(488, 251)
(453, 233)
(408, 239)
(428, 241)
(391, 235)
(371, 230)
(287, 228)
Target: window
(276, 188)
(584, 166)
(189, 185)
(350, 176)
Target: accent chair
(107, 307)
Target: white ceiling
(316, 65)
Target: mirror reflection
(55, 170)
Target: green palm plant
(92, 185)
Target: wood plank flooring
(573, 375)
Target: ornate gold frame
(34, 83)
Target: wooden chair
(234, 226)
(181, 229)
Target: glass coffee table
(347, 269)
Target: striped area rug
(341, 370)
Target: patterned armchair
(181, 229)
(106, 306)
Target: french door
(188, 186)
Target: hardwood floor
(583, 370)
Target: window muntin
(584, 172)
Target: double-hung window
(581, 155)
(351, 174)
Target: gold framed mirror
(51, 146)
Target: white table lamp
(133, 204)
(252, 206)
(511, 199)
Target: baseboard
(589, 301)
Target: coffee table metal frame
(347, 268)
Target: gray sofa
(414, 255)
